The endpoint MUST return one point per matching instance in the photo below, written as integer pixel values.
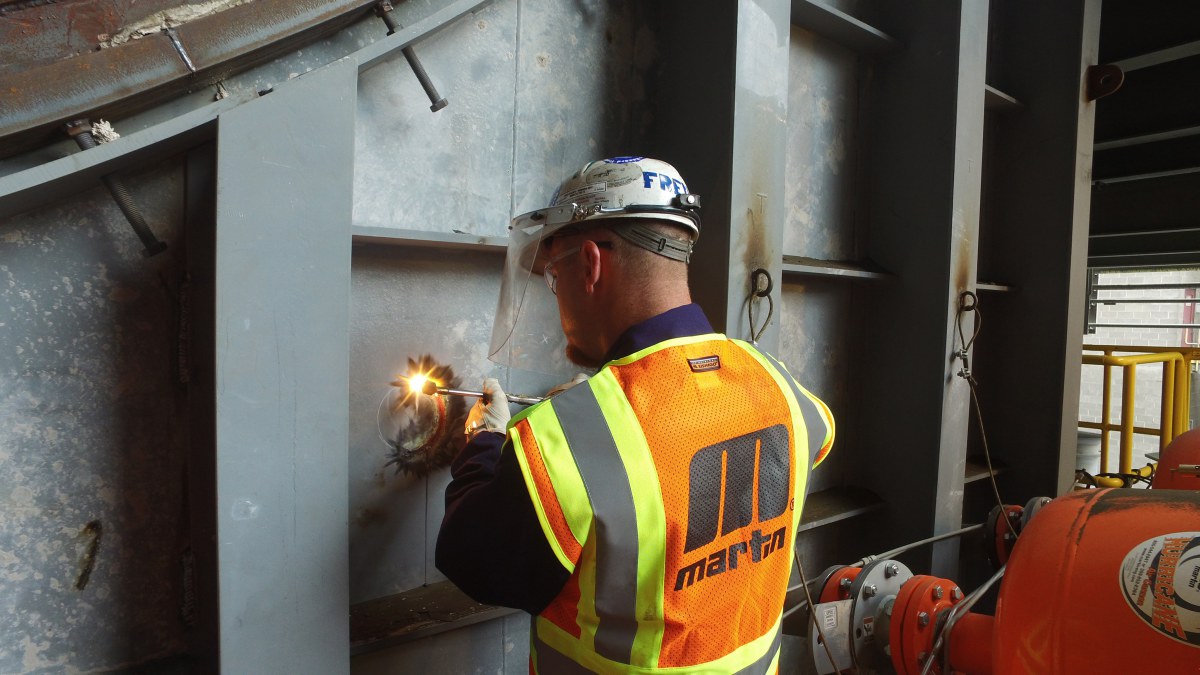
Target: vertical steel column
(1040, 186)
(923, 175)
(284, 198)
(759, 161)
(734, 61)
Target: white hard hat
(621, 193)
(633, 189)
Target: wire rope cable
(969, 302)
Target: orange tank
(1104, 581)
(1179, 464)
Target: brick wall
(1149, 376)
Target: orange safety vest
(670, 486)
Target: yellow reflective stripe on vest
(666, 344)
(551, 661)
(568, 486)
(606, 479)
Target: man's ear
(592, 265)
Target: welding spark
(428, 435)
(412, 385)
(417, 382)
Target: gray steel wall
(91, 430)
(820, 324)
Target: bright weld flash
(420, 383)
(417, 383)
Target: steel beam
(282, 363)
(927, 103)
(137, 74)
(23, 190)
(733, 155)
(1038, 175)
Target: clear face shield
(527, 333)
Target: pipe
(970, 649)
(1128, 387)
(956, 612)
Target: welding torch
(429, 388)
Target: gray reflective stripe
(550, 661)
(761, 666)
(814, 421)
(595, 452)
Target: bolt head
(890, 570)
(938, 592)
(922, 619)
(845, 584)
(870, 590)
(956, 594)
(79, 126)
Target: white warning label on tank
(1161, 581)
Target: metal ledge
(458, 241)
(411, 615)
(799, 265)
(1148, 138)
(1159, 57)
(994, 99)
(977, 470)
(842, 28)
(838, 503)
(998, 288)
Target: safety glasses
(551, 276)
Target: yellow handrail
(1174, 404)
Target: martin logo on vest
(768, 451)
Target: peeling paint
(169, 18)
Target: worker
(646, 515)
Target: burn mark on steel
(174, 37)
(94, 530)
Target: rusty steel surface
(41, 31)
(40, 95)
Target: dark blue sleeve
(491, 544)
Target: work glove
(490, 412)
(579, 377)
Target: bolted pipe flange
(921, 609)
(872, 595)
